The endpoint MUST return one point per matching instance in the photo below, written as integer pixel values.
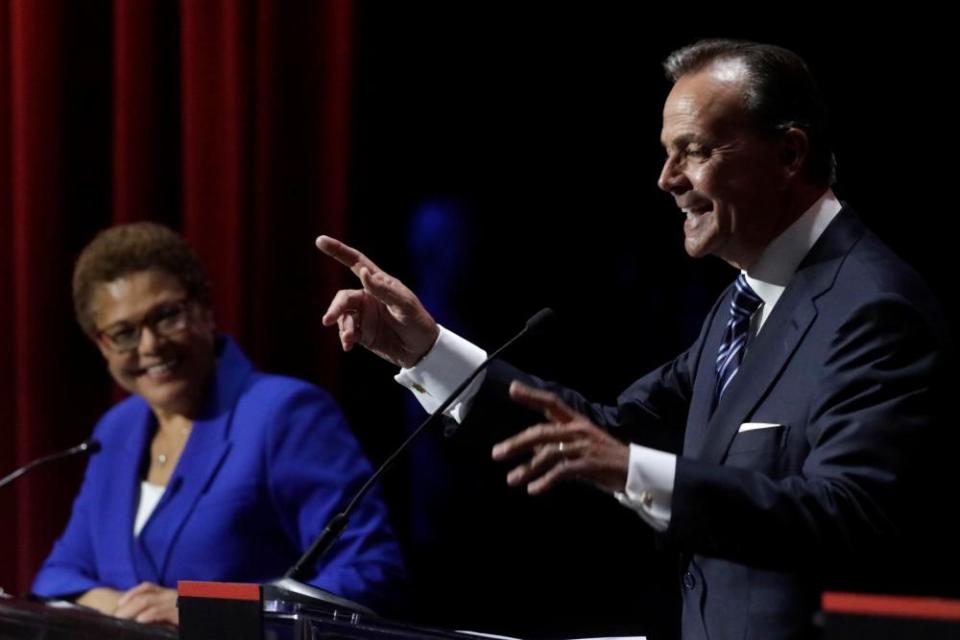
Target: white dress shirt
(150, 495)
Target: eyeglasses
(164, 320)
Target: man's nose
(672, 179)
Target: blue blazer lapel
(198, 465)
(116, 510)
(200, 461)
(777, 341)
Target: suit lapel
(115, 512)
(705, 381)
(762, 364)
(773, 347)
(200, 461)
(198, 464)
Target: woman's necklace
(162, 457)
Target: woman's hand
(102, 599)
(148, 602)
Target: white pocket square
(753, 426)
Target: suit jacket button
(689, 582)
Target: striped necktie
(743, 305)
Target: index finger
(530, 439)
(346, 255)
(546, 402)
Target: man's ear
(794, 151)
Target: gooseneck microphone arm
(337, 524)
(89, 445)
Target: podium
(286, 611)
(212, 611)
(26, 620)
(221, 611)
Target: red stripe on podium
(891, 606)
(218, 590)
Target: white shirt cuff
(649, 490)
(448, 363)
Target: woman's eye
(121, 335)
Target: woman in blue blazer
(210, 470)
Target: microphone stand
(290, 582)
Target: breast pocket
(757, 448)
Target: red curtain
(227, 120)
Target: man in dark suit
(808, 402)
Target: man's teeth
(693, 213)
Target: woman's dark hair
(125, 249)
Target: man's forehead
(712, 96)
(722, 82)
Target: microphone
(90, 446)
(337, 524)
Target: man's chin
(695, 249)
